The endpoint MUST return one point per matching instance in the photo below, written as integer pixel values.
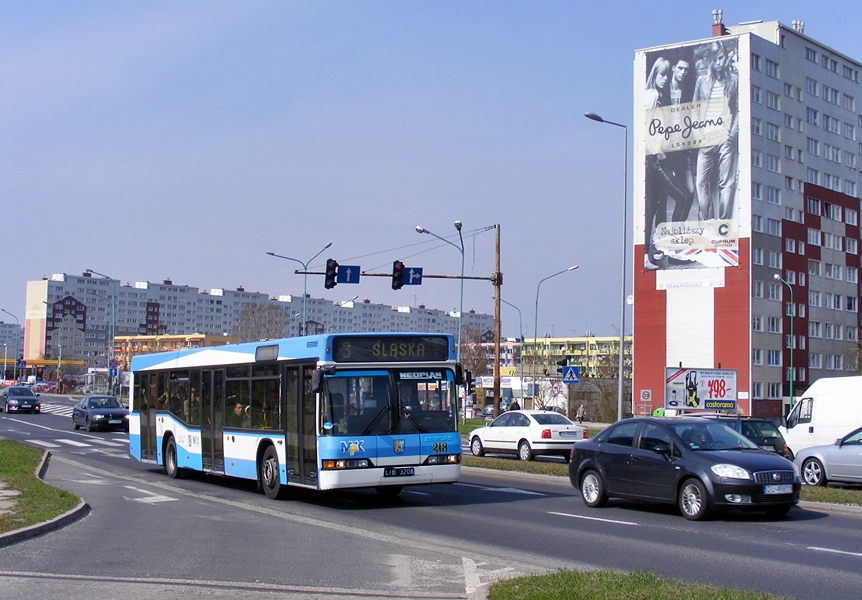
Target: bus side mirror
(317, 377)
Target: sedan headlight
(730, 471)
(13, 402)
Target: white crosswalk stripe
(57, 409)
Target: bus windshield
(375, 402)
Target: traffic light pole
(496, 279)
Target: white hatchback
(528, 433)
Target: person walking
(582, 412)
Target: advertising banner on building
(691, 156)
(704, 389)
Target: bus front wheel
(171, 466)
(269, 475)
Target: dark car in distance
(700, 465)
(762, 432)
(19, 398)
(100, 412)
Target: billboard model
(691, 175)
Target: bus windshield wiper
(374, 421)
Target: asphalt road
(213, 537)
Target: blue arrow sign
(570, 374)
(347, 274)
(414, 276)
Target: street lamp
(17, 328)
(521, 346)
(304, 328)
(536, 319)
(420, 229)
(791, 377)
(593, 116)
(4, 361)
(113, 332)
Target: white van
(829, 409)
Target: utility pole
(497, 281)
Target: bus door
(300, 426)
(145, 398)
(212, 420)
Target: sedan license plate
(778, 489)
(398, 472)
(568, 433)
(114, 421)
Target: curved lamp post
(791, 377)
(536, 319)
(17, 348)
(420, 229)
(521, 346)
(304, 328)
(620, 387)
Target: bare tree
(261, 322)
(474, 357)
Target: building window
(790, 245)
(788, 90)
(773, 358)
(757, 124)
(756, 356)
(757, 256)
(815, 361)
(756, 191)
(774, 260)
(811, 54)
(773, 195)
(814, 329)
(813, 265)
(788, 121)
(757, 323)
(773, 227)
(811, 116)
(850, 245)
(756, 94)
(757, 223)
(812, 176)
(772, 101)
(814, 206)
(772, 69)
(813, 147)
(849, 131)
(774, 325)
(755, 62)
(756, 158)
(849, 188)
(850, 303)
(773, 164)
(814, 298)
(773, 132)
(851, 274)
(811, 87)
(757, 289)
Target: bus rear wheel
(171, 466)
(269, 477)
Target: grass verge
(36, 501)
(608, 585)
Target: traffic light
(397, 275)
(468, 381)
(563, 363)
(331, 279)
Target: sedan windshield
(711, 436)
(107, 402)
(21, 391)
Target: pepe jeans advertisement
(692, 156)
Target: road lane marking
(74, 443)
(151, 497)
(44, 444)
(559, 514)
(832, 550)
(499, 489)
(107, 443)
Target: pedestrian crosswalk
(57, 409)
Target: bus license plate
(398, 472)
(778, 489)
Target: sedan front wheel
(593, 490)
(812, 472)
(476, 447)
(692, 500)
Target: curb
(18, 535)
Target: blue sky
(184, 140)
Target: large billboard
(691, 154)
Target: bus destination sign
(379, 348)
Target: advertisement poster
(692, 156)
(700, 389)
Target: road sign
(555, 388)
(570, 375)
(414, 276)
(113, 363)
(348, 274)
(112, 372)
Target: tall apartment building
(81, 315)
(746, 212)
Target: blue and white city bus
(323, 412)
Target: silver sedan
(840, 462)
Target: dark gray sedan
(100, 412)
(700, 465)
(19, 398)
